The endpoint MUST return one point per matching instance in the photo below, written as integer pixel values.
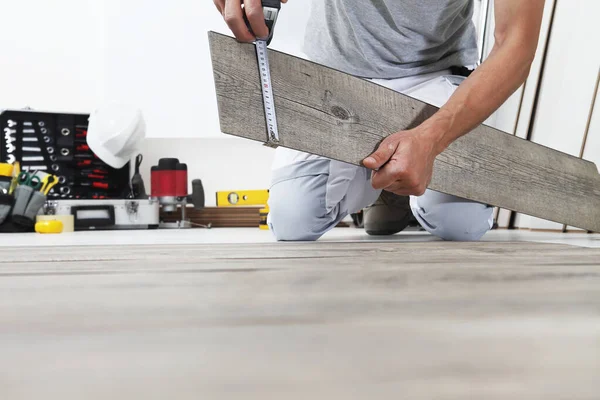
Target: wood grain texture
(438, 320)
(326, 112)
(218, 217)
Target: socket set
(56, 143)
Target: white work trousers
(310, 195)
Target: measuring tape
(267, 93)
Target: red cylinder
(181, 179)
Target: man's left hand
(403, 163)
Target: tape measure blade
(267, 91)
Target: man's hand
(403, 163)
(410, 155)
(233, 13)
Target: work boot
(390, 214)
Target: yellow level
(238, 198)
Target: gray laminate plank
(326, 112)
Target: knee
(453, 219)
(296, 207)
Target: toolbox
(56, 143)
(108, 214)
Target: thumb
(381, 156)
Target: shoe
(389, 215)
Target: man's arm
(405, 159)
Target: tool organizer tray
(56, 143)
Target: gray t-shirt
(391, 38)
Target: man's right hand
(233, 13)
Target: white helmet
(115, 133)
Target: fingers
(232, 13)
(220, 4)
(398, 179)
(385, 151)
(254, 12)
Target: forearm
(480, 95)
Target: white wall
(72, 55)
(222, 165)
(50, 59)
(568, 85)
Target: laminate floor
(407, 317)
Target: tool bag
(55, 143)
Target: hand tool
(35, 168)
(11, 123)
(87, 156)
(31, 180)
(271, 12)
(242, 198)
(99, 171)
(96, 185)
(48, 183)
(138, 189)
(32, 159)
(15, 179)
(81, 174)
(9, 131)
(89, 163)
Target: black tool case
(56, 143)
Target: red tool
(100, 171)
(92, 176)
(89, 163)
(169, 179)
(96, 185)
(82, 147)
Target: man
(411, 46)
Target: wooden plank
(326, 112)
(450, 321)
(218, 217)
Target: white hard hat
(115, 133)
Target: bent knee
(456, 220)
(297, 209)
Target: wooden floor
(325, 320)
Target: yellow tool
(52, 226)
(48, 183)
(15, 180)
(6, 170)
(241, 198)
(264, 213)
